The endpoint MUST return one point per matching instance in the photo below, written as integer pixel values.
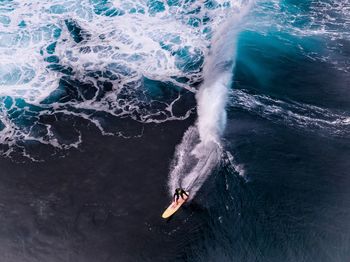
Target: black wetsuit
(179, 192)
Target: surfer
(177, 203)
(179, 192)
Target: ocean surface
(107, 106)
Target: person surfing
(180, 197)
(179, 192)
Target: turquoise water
(107, 106)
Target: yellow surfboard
(174, 206)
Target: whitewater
(112, 49)
(96, 61)
(106, 106)
(201, 148)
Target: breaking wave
(94, 60)
(200, 150)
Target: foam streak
(200, 150)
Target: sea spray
(200, 150)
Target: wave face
(110, 62)
(261, 88)
(201, 149)
(98, 59)
(274, 30)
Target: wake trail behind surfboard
(191, 167)
(200, 150)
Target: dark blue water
(84, 173)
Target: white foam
(133, 45)
(293, 114)
(200, 150)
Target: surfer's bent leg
(176, 197)
(183, 192)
